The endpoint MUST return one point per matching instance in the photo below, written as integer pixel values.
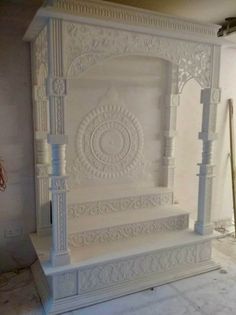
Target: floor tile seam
(143, 306)
(188, 300)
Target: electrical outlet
(13, 231)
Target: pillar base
(60, 259)
(202, 229)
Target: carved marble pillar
(171, 104)
(56, 89)
(42, 187)
(210, 97)
(41, 159)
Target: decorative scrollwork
(128, 231)
(87, 45)
(120, 204)
(131, 268)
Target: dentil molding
(97, 12)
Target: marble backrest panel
(114, 115)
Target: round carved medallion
(109, 141)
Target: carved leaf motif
(122, 204)
(128, 231)
(88, 45)
(112, 273)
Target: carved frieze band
(87, 45)
(132, 16)
(120, 204)
(128, 231)
(128, 269)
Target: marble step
(110, 270)
(96, 202)
(91, 230)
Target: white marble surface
(207, 294)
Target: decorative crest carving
(86, 45)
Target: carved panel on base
(65, 284)
(128, 231)
(120, 204)
(109, 274)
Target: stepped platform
(86, 230)
(107, 270)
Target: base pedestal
(114, 271)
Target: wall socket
(13, 231)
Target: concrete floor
(206, 294)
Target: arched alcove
(136, 84)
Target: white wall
(17, 211)
(222, 206)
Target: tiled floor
(213, 293)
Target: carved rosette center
(109, 141)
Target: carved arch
(85, 46)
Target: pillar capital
(207, 136)
(57, 139)
(56, 86)
(210, 96)
(58, 184)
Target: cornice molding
(101, 11)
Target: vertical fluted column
(171, 104)
(42, 187)
(210, 97)
(40, 103)
(56, 89)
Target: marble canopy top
(104, 13)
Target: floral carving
(58, 183)
(57, 86)
(109, 141)
(127, 231)
(132, 268)
(87, 45)
(120, 204)
(40, 47)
